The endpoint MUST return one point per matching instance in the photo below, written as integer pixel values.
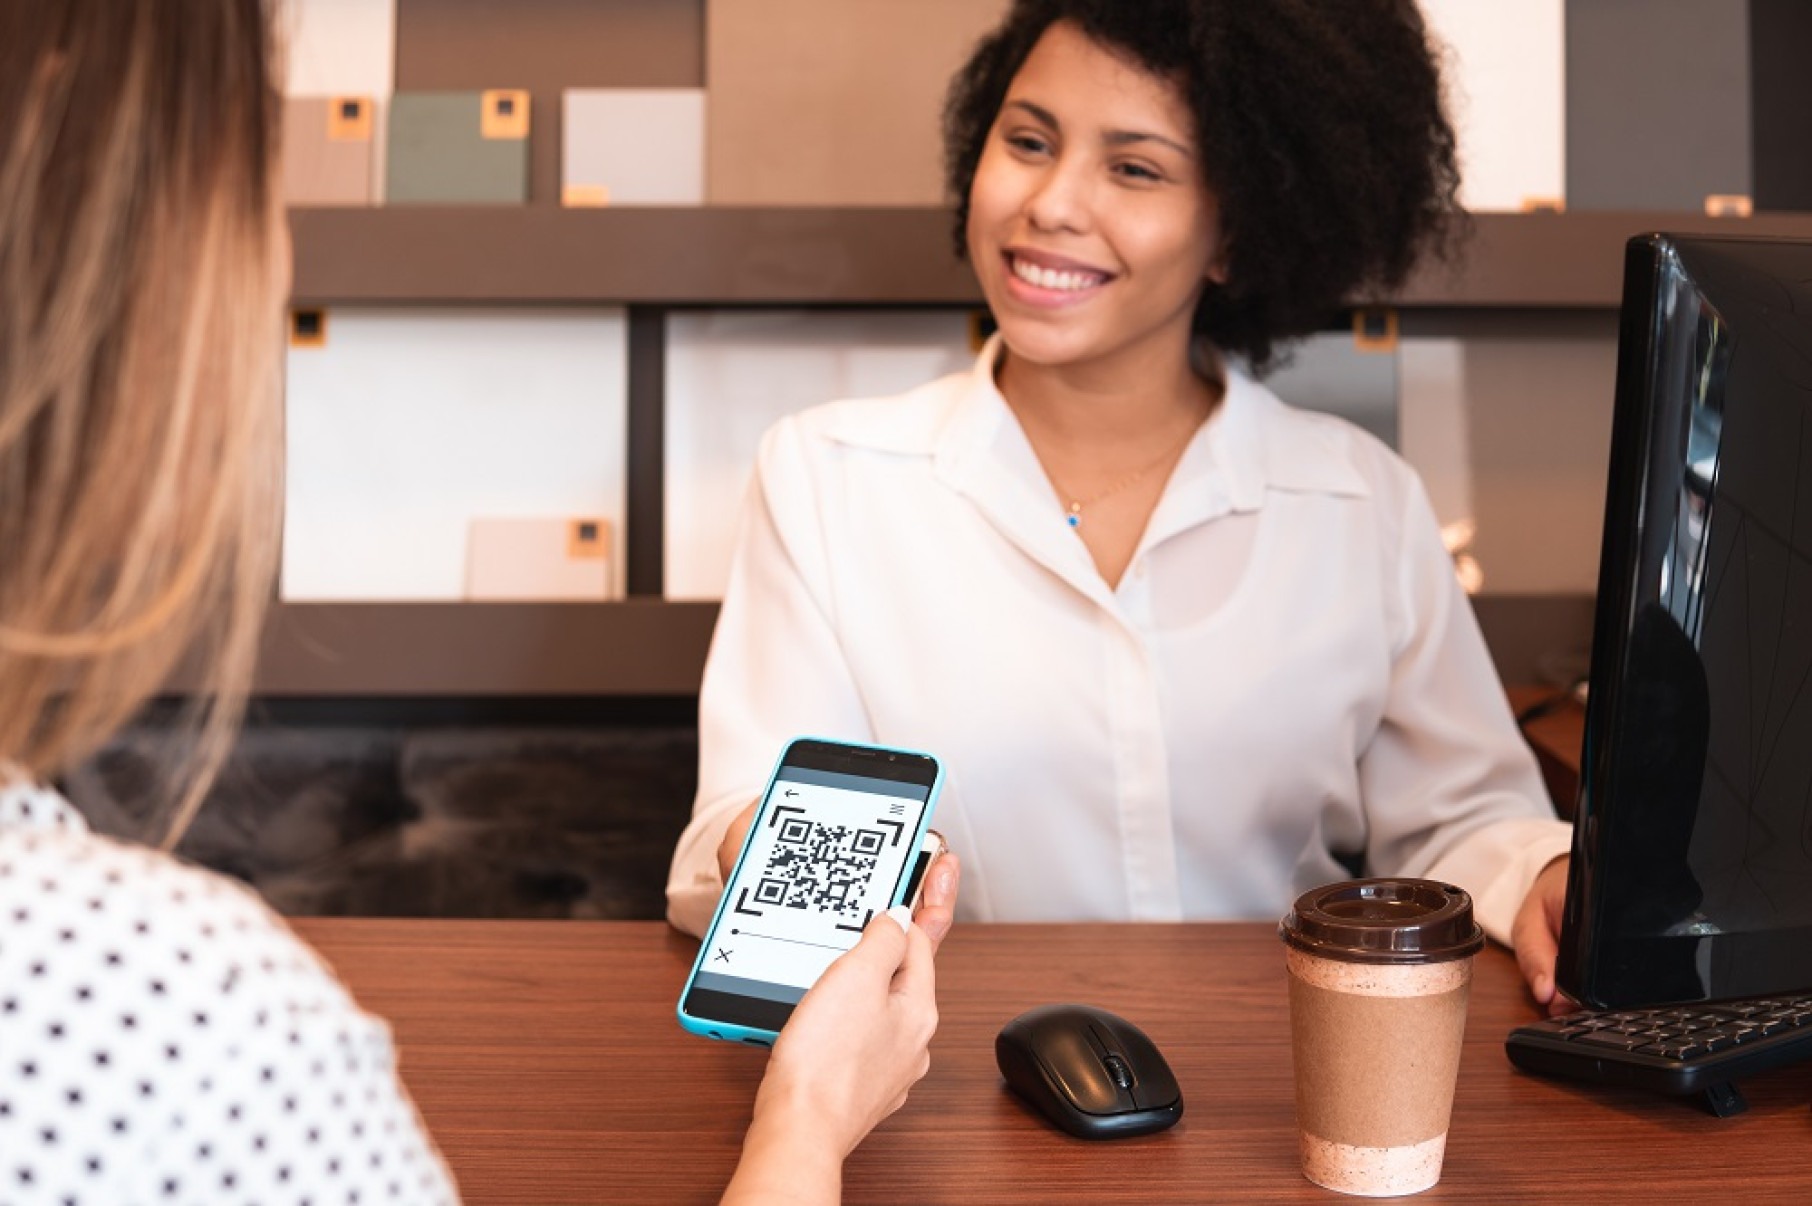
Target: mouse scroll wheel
(1119, 1072)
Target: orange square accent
(504, 113)
(308, 328)
(584, 196)
(1375, 330)
(588, 540)
(1729, 205)
(1544, 205)
(349, 119)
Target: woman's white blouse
(165, 1038)
(1288, 671)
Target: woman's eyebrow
(1113, 138)
(1121, 138)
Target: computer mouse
(1094, 1074)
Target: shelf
(631, 648)
(642, 647)
(503, 255)
(544, 254)
(1564, 261)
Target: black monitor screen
(1692, 851)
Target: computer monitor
(1691, 876)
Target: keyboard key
(1612, 1038)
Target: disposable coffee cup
(1380, 970)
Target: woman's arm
(1452, 790)
(845, 1061)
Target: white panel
(409, 424)
(731, 375)
(1328, 372)
(1514, 433)
(1506, 83)
(338, 47)
(1433, 432)
(646, 146)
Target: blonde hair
(141, 294)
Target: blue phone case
(730, 1031)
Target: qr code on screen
(818, 866)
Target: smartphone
(835, 840)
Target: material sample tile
(525, 560)
(832, 102)
(1780, 31)
(1658, 101)
(458, 148)
(1505, 67)
(633, 146)
(328, 149)
(406, 425)
(732, 375)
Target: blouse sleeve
(1452, 790)
(776, 669)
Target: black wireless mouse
(1095, 1075)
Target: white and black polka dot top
(165, 1038)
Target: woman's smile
(1042, 279)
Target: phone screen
(833, 842)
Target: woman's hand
(937, 902)
(853, 1048)
(1535, 935)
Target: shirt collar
(1251, 445)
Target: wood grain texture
(547, 1062)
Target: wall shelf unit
(1517, 269)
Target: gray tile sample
(438, 153)
(1780, 33)
(1658, 100)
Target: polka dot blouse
(164, 1038)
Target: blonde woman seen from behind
(163, 1035)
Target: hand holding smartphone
(838, 836)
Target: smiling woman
(1185, 651)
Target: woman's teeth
(1053, 278)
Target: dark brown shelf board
(732, 256)
(628, 256)
(642, 647)
(1564, 261)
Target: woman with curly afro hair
(1184, 650)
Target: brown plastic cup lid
(1384, 921)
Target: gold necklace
(1073, 511)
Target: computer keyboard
(1677, 1049)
